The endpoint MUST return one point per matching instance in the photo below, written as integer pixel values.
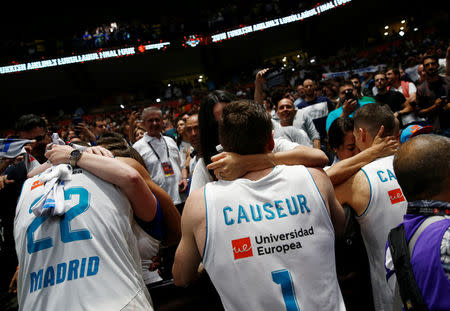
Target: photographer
(348, 96)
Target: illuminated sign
(80, 58)
(279, 21)
(193, 41)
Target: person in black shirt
(393, 99)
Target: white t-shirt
(86, 259)
(411, 89)
(146, 147)
(201, 176)
(294, 134)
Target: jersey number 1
(283, 278)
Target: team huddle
(266, 239)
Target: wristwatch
(75, 155)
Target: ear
(362, 134)
(270, 144)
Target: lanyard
(154, 151)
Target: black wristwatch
(75, 155)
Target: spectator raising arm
(259, 84)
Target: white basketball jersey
(270, 243)
(384, 212)
(85, 260)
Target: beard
(38, 152)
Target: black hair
(338, 129)
(30, 121)
(209, 127)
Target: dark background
(356, 25)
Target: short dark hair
(346, 82)
(433, 57)
(245, 127)
(395, 70)
(116, 143)
(372, 116)
(338, 129)
(422, 166)
(28, 122)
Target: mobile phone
(77, 120)
(349, 94)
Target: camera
(348, 94)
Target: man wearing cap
(422, 240)
(414, 130)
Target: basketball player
(85, 258)
(266, 240)
(375, 196)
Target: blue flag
(11, 148)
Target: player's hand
(227, 165)
(58, 154)
(99, 150)
(156, 263)
(384, 146)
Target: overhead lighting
(401, 33)
(293, 69)
(298, 56)
(158, 100)
(201, 77)
(312, 60)
(401, 28)
(284, 59)
(122, 106)
(403, 21)
(168, 85)
(415, 29)
(386, 33)
(386, 27)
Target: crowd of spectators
(299, 81)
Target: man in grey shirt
(296, 125)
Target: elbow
(178, 279)
(322, 158)
(132, 178)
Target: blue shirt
(335, 114)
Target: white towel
(52, 202)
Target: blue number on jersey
(283, 278)
(67, 235)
